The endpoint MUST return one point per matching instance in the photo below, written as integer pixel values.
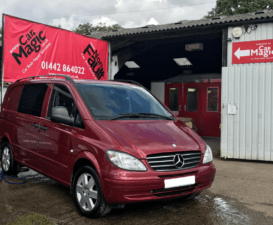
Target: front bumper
(147, 187)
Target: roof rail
(32, 78)
(130, 82)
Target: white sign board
(231, 109)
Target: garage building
(217, 71)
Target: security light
(132, 65)
(182, 62)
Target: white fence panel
(248, 134)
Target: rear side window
(13, 98)
(32, 98)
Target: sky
(128, 13)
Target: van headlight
(208, 157)
(125, 161)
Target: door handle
(43, 128)
(179, 107)
(185, 107)
(35, 125)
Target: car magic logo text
(29, 43)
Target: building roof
(223, 20)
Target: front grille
(165, 161)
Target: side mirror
(60, 115)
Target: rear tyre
(88, 195)
(8, 164)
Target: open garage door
(184, 64)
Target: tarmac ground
(241, 194)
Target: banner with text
(32, 49)
(252, 51)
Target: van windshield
(111, 101)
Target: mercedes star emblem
(178, 161)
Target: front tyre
(88, 195)
(8, 164)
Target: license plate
(179, 182)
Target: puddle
(229, 213)
(36, 178)
(225, 210)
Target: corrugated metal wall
(249, 133)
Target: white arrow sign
(239, 53)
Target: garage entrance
(189, 71)
(199, 101)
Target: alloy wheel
(6, 159)
(86, 191)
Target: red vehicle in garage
(112, 143)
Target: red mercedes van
(111, 142)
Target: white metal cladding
(262, 32)
(249, 133)
(158, 89)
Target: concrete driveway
(241, 194)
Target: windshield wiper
(137, 115)
(157, 115)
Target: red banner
(252, 52)
(32, 49)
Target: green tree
(234, 7)
(88, 28)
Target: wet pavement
(228, 201)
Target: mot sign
(32, 49)
(252, 51)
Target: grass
(31, 219)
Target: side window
(212, 99)
(32, 98)
(192, 95)
(61, 96)
(173, 99)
